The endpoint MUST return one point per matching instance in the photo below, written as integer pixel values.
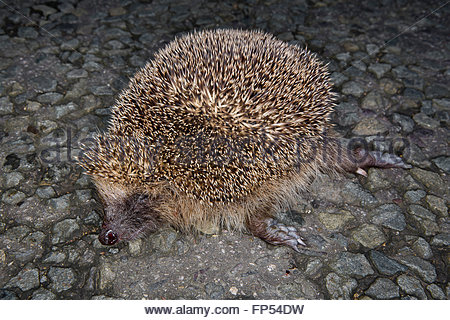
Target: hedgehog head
(129, 213)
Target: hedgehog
(221, 128)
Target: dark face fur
(129, 218)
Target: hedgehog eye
(108, 238)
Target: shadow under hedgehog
(222, 127)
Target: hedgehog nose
(107, 237)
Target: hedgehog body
(222, 127)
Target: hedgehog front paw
(277, 233)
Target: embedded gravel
(384, 236)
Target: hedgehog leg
(275, 232)
(363, 160)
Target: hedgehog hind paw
(388, 160)
(274, 232)
(377, 159)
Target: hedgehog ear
(143, 197)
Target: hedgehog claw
(361, 171)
